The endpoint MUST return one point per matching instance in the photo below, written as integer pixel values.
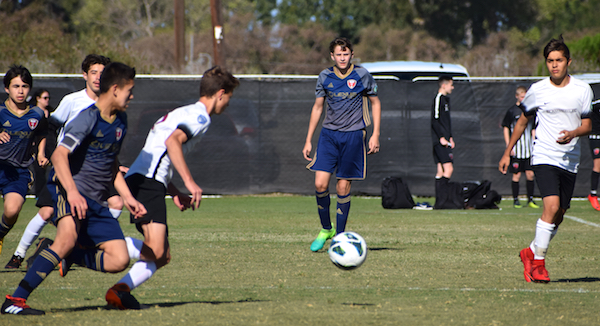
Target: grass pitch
(246, 261)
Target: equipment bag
(448, 195)
(478, 195)
(395, 194)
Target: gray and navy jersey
(441, 124)
(94, 144)
(25, 130)
(524, 145)
(346, 97)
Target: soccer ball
(348, 250)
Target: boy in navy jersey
(345, 90)
(21, 127)
(149, 178)
(84, 165)
(562, 106)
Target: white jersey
(558, 109)
(153, 161)
(69, 107)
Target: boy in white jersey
(68, 108)
(149, 178)
(563, 106)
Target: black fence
(255, 146)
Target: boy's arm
(60, 161)
(175, 151)
(568, 135)
(376, 111)
(517, 132)
(136, 208)
(315, 116)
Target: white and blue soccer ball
(348, 250)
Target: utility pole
(217, 24)
(179, 22)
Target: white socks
(544, 232)
(31, 233)
(115, 212)
(134, 247)
(139, 273)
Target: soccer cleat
(119, 297)
(594, 201)
(15, 262)
(63, 267)
(42, 244)
(532, 204)
(527, 258)
(17, 306)
(323, 236)
(539, 274)
(517, 204)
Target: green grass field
(246, 261)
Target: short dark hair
(215, 79)
(16, 71)
(36, 94)
(557, 45)
(115, 73)
(342, 42)
(93, 59)
(444, 79)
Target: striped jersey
(24, 129)
(153, 161)
(557, 109)
(94, 144)
(346, 97)
(523, 146)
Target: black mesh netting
(255, 146)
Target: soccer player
(521, 153)
(22, 127)
(595, 149)
(441, 133)
(346, 90)
(149, 178)
(562, 105)
(68, 108)
(84, 165)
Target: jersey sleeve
(320, 90)
(586, 103)
(369, 83)
(193, 127)
(78, 129)
(508, 117)
(61, 114)
(530, 103)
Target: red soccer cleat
(594, 201)
(527, 258)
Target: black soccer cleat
(17, 306)
(15, 262)
(119, 297)
(42, 244)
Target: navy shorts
(442, 154)
(554, 181)
(151, 194)
(99, 225)
(519, 165)
(344, 151)
(595, 147)
(13, 179)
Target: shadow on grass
(384, 248)
(160, 304)
(577, 280)
(358, 304)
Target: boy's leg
(13, 202)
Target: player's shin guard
(544, 232)
(515, 189)
(323, 203)
(43, 265)
(343, 208)
(134, 247)
(594, 183)
(35, 226)
(530, 189)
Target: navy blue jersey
(24, 130)
(94, 144)
(441, 124)
(346, 97)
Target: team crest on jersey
(119, 133)
(351, 83)
(33, 123)
(515, 165)
(201, 119)
(596, 151)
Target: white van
(409, 70)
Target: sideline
(577, 219)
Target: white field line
(577, 219)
